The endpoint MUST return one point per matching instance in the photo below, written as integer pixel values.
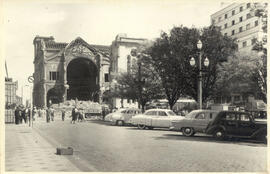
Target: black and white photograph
(134, 86)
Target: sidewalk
(27, 151)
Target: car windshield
(171, 113)
(191, 114)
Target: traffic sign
(30, 79)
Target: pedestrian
(48, 115)
(17, 115)
(63, 114)
(27, 114)
(23, 115)
(34, 112)
(52, 114)
(103, 113)
(20, 115)
(74, 115)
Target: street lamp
(206, 64)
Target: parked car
(155, 118)
(123, 116)
(235, 124)
(195, 121)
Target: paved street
(101, 147)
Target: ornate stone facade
(54, 64)
(65, 71)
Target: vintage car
(233, 124)
(155, 118)
(195, 121)
(123, 116)
(237, 124)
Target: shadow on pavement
(155, 129)
(204, 138)
(100, 122)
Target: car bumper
(172, 128)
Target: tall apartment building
(237, 21)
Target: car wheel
(141, 126)
(219, 134)
(150, 127)
(262, 138)
(188, 131)
(120, 123)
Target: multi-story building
(10, 92)
(78, 70)
(238, 21)
(122, 61)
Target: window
(241, 19)
(171, 113)
(233, 22)
(256, 23)
(253, 41)
(232, 32)
(240, 29)
(244, 45)
(230, 116)
(54, 75)
(248, 5)
(162, 113)
(213, 21)
(219, 19)
(233, 12)
(241, 9)
(129, 112)
(106, 77)
(248, 26)
(226, 16)
(124, 111)
(244, 117)
(200, 116)
(237, 98)
(248, 16)
(225, 25)
(151, 113)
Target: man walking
(48, 114)
(63, 114)
(17, 115)
(52, 114)
(74, 115)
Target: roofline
(223, 9)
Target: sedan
(195, 121)
(124, 116)
(155, 118)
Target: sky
(97, 22)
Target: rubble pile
(86, 106)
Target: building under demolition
(78, 70)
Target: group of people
(22, 114)
(76, 114)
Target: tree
(236, 75)
(141, 82)
(260, 73)
(171, 54)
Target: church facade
(79, 70)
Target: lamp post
(206, 63)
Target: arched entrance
(82, 78)
(54, 96)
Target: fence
(9, 116)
